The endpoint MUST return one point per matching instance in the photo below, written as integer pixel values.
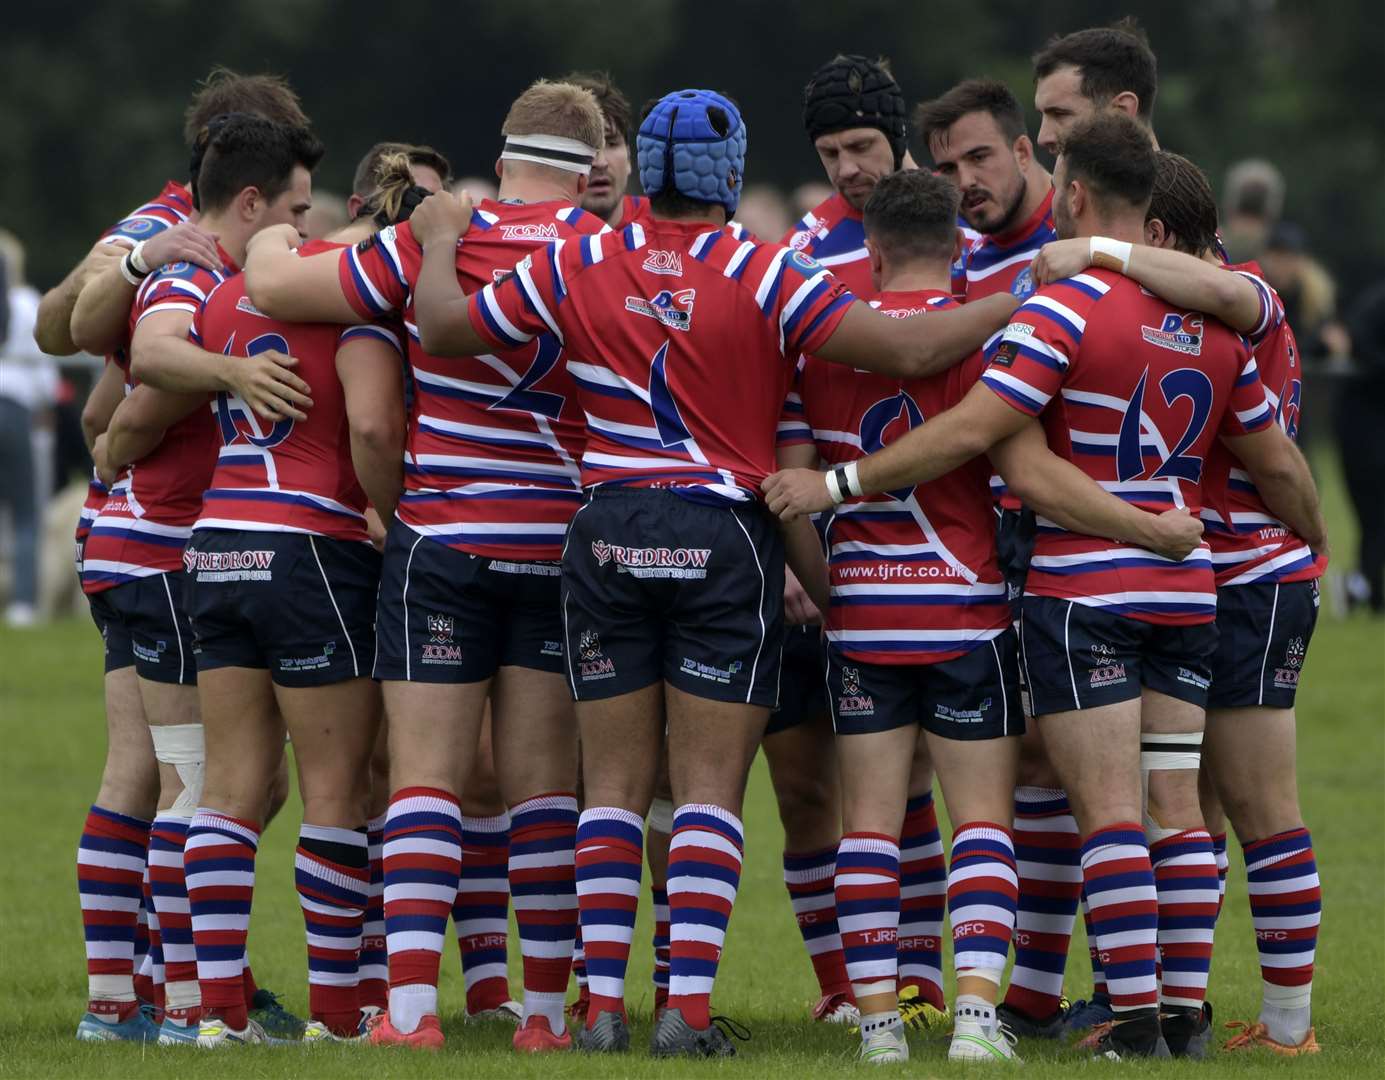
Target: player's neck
(532, 189)
(1037, 184)
(917, 277)
(1129, 229)
(362, 228)
(231, 235)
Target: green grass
(51, 743)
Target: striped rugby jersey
(149, 512)
(490, 463)
(914, 572)
(1248, 543)
(999, 262)
(1134, 393)
(682, 342)
(832, 234)
(289, 475)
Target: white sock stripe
(498, 824)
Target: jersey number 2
(1182, 383)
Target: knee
(278, 792)
(805, 796)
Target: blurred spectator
(1253, 200)
(1308, 292)
(327, 215)
(479, 186)
(806, 196)
(1360, 418)
(28, 387)
(765, 212)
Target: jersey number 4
(1182, 383)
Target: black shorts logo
(440, 648)
(1286, 677)
(653, 562)
(851, 702)
(591, 664)
(1108, 671)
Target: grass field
(51, 744)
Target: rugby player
(1102, 68)
(671, 541)
(469, 598)
(1137, 626)
(1267, 604)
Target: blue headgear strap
(693, 141)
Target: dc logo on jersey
(240, 425)
(1023, 284)
(1180, 333)
(673, 309)
(884, 422)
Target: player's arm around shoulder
(54, 329)
(368, 365)
(294, 288)
(442, 310)
(1281, 475)
(138, 424)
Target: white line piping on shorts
(1269, 638)
(1072, 675)
(567, 642)
(404, 603)
(355, 663)
(1024, 659)
(760, 610)
(827, 685)
(1004, 698)
(173, 611)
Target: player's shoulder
(169, 207)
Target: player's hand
(1174, 534)
(265, 383)
(799, 609)
(184, 242)
(791, 493)
(375, 529)
(106, 470)
(441, 218)
(1059, 259)
(276, 236)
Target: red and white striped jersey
(150, 509)
(682, 341)
(1134, 394)
(914, 572)
(1248, 543)
(999, 262)
(490, 465)
(284, 476)
(832, 234)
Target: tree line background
(91, 112)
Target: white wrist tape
(834, 486)
(136, 258)
(853, 479)
(131, 275)
(660, 816)
(183, 747)
(1110, 254)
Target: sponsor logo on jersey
(244, 304)
(1179, 333)
(1023, 284)
(653, 562)
(804, 263)
(229, 565)
(664, 262)
(441, 648)
(529, 231)
(1005, 353)
(673, 309)
(135, 227)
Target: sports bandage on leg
(660, 816)
(183, 747)
(1166, 753)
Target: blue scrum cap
(694, 142)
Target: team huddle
(530, 522)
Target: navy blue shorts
(144, 622)
(1263, 635)
(448, 616)
(1014, 547)
(1079, 657)
(299, 605)
(973, 696)
(802, 680)
(658, 587)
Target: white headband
(555, 151)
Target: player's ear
(1154, 232)
(249, 203)
(1076, 195)
(582, 181)
(1024, 151)
(1128, 102)
(959, 241)
(873, 254)
(499, 169)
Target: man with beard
(1078, 75)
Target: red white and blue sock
(480, 915)
(810, 878)
(1286, 908)
(1048, 848)
(168, 887)
(153, 967)
(543, 837)
(1223, 866)
(982, 892)
(609, 861)
(423, 861)
(144, 985)
(922, 897)
(220, 859)
(661, 946)
(373, 989)
(1125, 913)
(1185, 877)
(1099, 991)
(704, 873)
(866, 889)
(579, 953)
(110, 885)
(332, 874)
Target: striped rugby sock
(373, 989)
(608, 863)
(867, 894)
(168, 886)
(480, 915)
(1093, 952)
(704, 872)
(922, 897)
(422, 861)
(1286, 909)
(332, 874)
(110, 884)
(1185, 878)
(1125, 912)
(661, 946)
(153, 968)
(810, 878)
(982, 891)
(579, 954)
(220, 857)
(1048, 850)
(1223, 867)
(543, 836)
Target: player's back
(682, 341)
(1135, 395)
(286, 475)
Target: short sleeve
(1249, 409)
(380, 331)
(803, 297)
(377, 275)
(1271, 308)
(176, 287)
(1028, 361)
(793, 429)
(511, 312)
